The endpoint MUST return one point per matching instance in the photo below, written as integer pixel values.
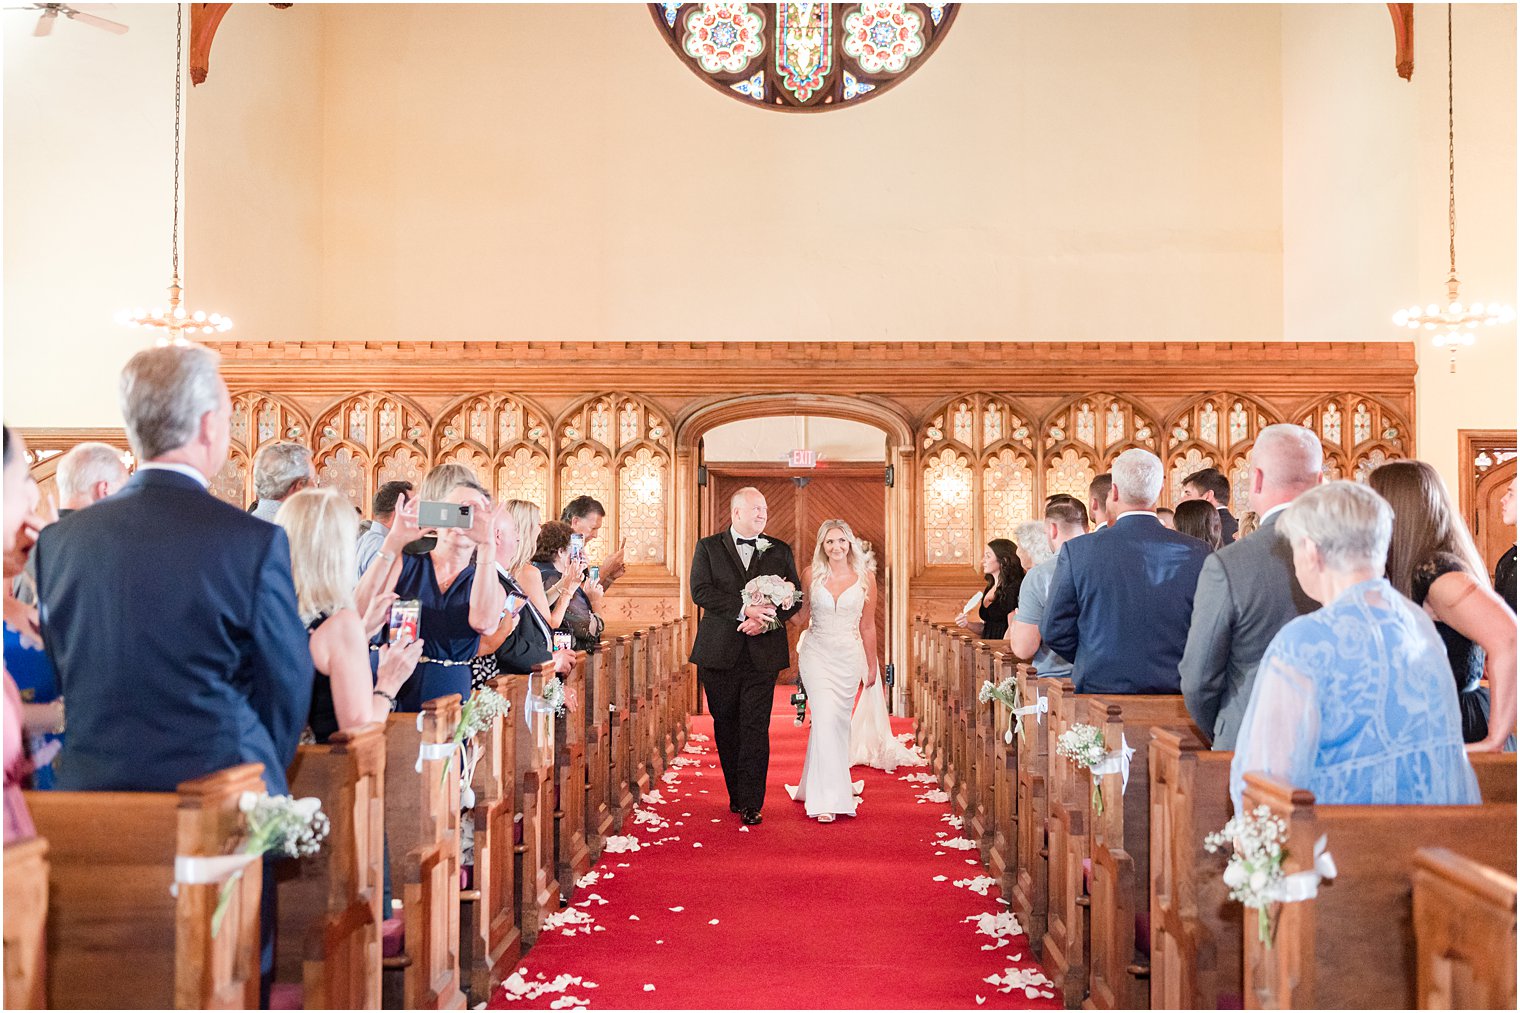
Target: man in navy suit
(1122, 598)
(169, 615)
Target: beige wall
(773, 440)
(1053, 172)
(89, 134)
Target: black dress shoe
(750, 817)
(734, 808)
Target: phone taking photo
(515, 602)
(443, 515)
(405, 620)
(595, 573)
(578, 547)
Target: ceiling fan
(50, 12)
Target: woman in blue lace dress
(1353, 702)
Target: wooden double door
(798, 502)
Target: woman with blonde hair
(323, 531)
(1432, 561)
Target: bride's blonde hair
(861, 559)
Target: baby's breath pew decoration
(1254, 872)
(1007, 694)
(276, 824)
(1083, 745)
(553, 696)
(484, 706)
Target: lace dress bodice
(836, 621)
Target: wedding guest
(87, 474)
(18, 822)
(1249, 523)
(581, 607)
(1352, 701)
(1247, 591)
(203, 662)
(457, 607)
(1097, 500)
(1064, 520)
(1032, 546)
(1121, 598)
(1432, 561)
(1197, 518)
(584, 515)
(1504, 570)
(26, 661)
(1000, 564)
(280, 470)
(384, 509)
(549, 601)
(529, 642)
(1167, 516)
(320, 524)
(1210, 485)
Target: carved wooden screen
(977, 477)
(1084, 435)
(1215, 431)
(368, 439)
(616, 448)
(258, 419)
(1358, 432)
(503, 439)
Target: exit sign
(804, 459)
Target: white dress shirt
(181, 469)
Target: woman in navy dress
(456, 608)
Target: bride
(835, 655)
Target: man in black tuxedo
(737, 659)
(170, 616)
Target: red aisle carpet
(860, 913)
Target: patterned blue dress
(1354, 703)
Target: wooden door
(1494, 537)
(798, 502)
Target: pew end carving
(1464, 923)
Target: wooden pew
(685, 696)
(639, 775)
(958, 673)
(622, 777)
(981, 722)
(1064, 948)
(329, 903)
(1353, 946)
(1195, 927)
(1029, 891)
(917, 651)
(1119, 957)
(537, 879)
(26, 907)
(490, 936)
(1004, 777)
(422, 821)
(1464, 927)
(597, 709)
(117, 937)
(572, 858)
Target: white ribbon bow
(1039, 709)
(197, 870)
(431, 750)
(1305, 885)
(1116, 763)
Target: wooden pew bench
(1353, 945)
(538, 891)
(1029, 893)
(422, 821)
(1464, 927)
(572, 857)
(117, 936)
(26, 902)
(490, 936)
(329, 903)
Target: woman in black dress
(323, 530)
(1433, 561)
(1000, 562)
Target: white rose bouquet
(1083, 745)
(768, 589)
(1254, 872)
(276, 824)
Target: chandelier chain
(1451, 151)
(179, 61)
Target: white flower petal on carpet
(517, 987)
(933, 795)
(616, 845)
(1027, 979)
(959, 843)
(978, 885)
(919, 779)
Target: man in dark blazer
(1247, 591)
(1121, 597)
(737, 657)
(170, 616)
(1212, 485)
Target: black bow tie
(747, 541)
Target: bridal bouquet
(1083, 745)
(1254, 872)
(768, 589)
(276, 824)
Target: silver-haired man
(280, 470)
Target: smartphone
(577, 547)
(563, 641)
(405, 620)
(515, 602)
(595, 573)
(443, 515)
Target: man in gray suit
(1247, 591)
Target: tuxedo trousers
(739, 700)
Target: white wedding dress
(831, 662)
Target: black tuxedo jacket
(718, 577)
(170, 618)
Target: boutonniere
(761, 544)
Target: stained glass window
(1071, 473)
(1182, 467)
(641, 506)
(524, 475)
(947, 508)
(230, 483)
(401, 465)
(1008, 494)
(803, 57)
(343, 470)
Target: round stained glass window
(803, 57)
